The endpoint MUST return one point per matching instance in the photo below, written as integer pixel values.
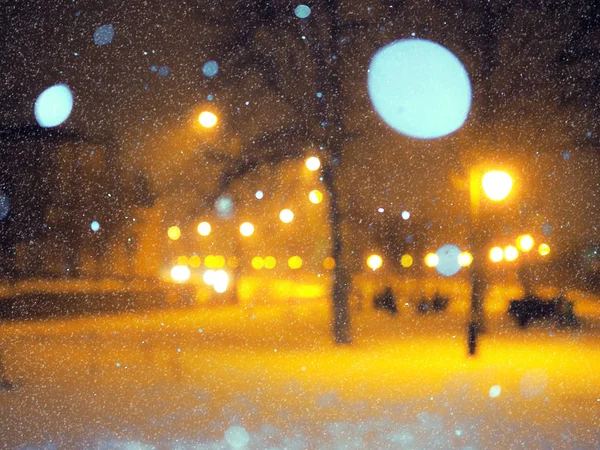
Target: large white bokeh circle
(448, 264)
(419, 88)
(53, 106)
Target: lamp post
(496, 185)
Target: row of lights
(525, 243)
(258, 262)
(247, 228)
(375, 262)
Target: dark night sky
(534, 69)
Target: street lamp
(496, 185)
(207, 119)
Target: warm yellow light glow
(174, 233)
(258, 263)
(496, 254)
(209, 277)
(374, 262)
(544, 249)
(221, 281)
(465, 259)
(180, 273)
(511, 253)
(286, 215)
(207, 119)
(247, 229)
(270, 262)
(295, 262)
(315, 197)
(233, 262)
(432, 260)
(195, 261)
(218, 262)
(525, 243)
(204, 228)
(182, 261)
(209, 261)
(406, 261)
(497, 184)
(313, 163)
(329, 263)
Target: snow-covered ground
(270, 378)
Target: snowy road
(271, 378)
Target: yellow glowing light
(195, 261)
(511, 253)
(209, 261)
(218, 262)
(315, 197)
(174, 233)
(432, 260)
(180, 273)
(207, 119)
(329, 263)
(270, 262)
(233, 262)
(313, 163)
(465, 259)
(286, 215)
(295, 262)
(204, 228)
(497, 184)
(247, 229)
(544, 249)
(182, 261)
(374, 262)
(496, 254)
(406, 261)
(525, 243)
(258, 262)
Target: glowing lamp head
(204, 228)
(496, 254)
(258, 263)
(286, 216)
(247, 229)
(544, 249)
(313, 163)
(174, 233)
(315, 197)
(525, 243)
(465, 259)
(511, 253)
(180, 274)
(207, 119)
(432, 260)
(406, 261)
(497, 184)
(374, 262)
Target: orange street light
(496, 184)
(207, 119)
(525, 242)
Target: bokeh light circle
(53, 106)
(448, 264)
(419, 88)
(302, 11)
(210, 69)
